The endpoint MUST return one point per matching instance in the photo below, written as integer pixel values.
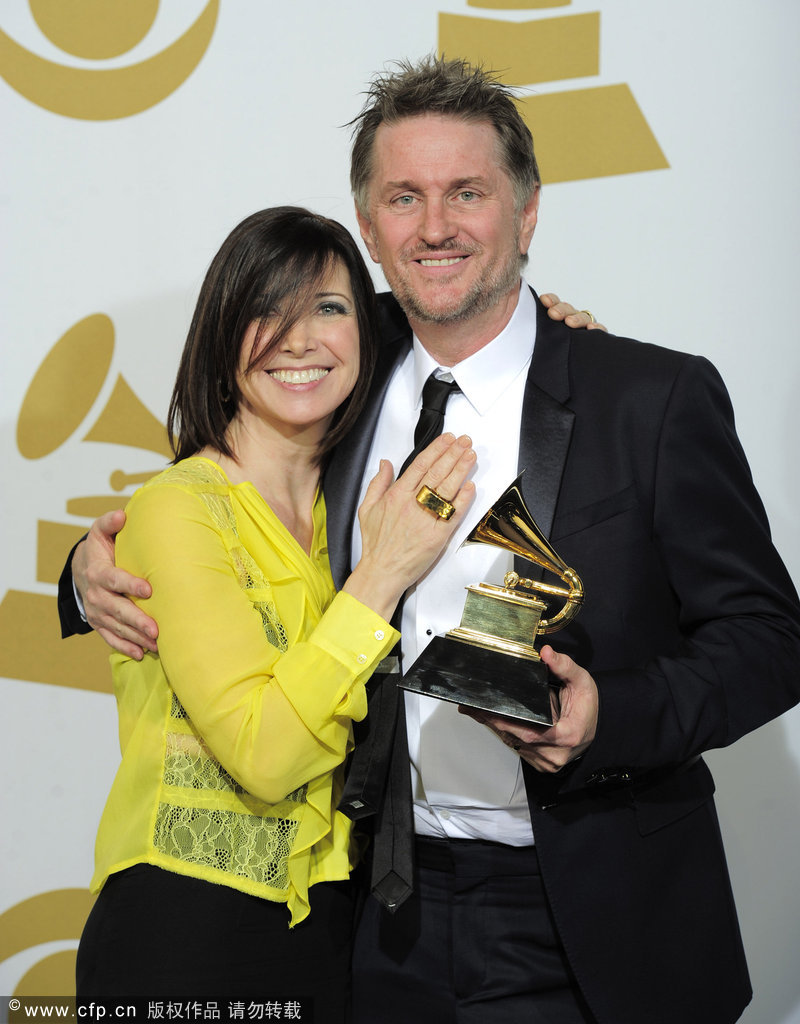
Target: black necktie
(378, 778)
(435, 395)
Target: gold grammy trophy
(490, 661)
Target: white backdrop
(120, 215)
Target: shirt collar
(485, 375)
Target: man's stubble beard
(485, 293)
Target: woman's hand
(401, 539)
(572, 317)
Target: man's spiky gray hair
(435, 85)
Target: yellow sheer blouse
(233, 737)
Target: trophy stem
(493, 643)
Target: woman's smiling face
(312, 369)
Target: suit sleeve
(72, 621)
(737, 665)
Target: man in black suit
(689, 638)
(572, 873)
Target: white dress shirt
(466, 783)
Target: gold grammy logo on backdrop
(55, 916)
(579, 133)
(99, 30)
(58, 400)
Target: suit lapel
(546, 426)
(345, 471)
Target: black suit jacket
(691, 629)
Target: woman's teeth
(299, 376)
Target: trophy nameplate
(489, 661)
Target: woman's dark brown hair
(275, 260)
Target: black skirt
(156, 937)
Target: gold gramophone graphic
(59, 398)
(489, 661)
(614, 133)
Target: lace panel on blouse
(253, 846)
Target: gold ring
(434, 502)
(591, 316)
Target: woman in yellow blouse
(221, 860)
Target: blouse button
(379, 634)
(361, 659)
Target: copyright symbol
(13, 1004)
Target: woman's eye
(332, 309)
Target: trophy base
(452, 670)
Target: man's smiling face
(442, 220)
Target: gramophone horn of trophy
(490, 660)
